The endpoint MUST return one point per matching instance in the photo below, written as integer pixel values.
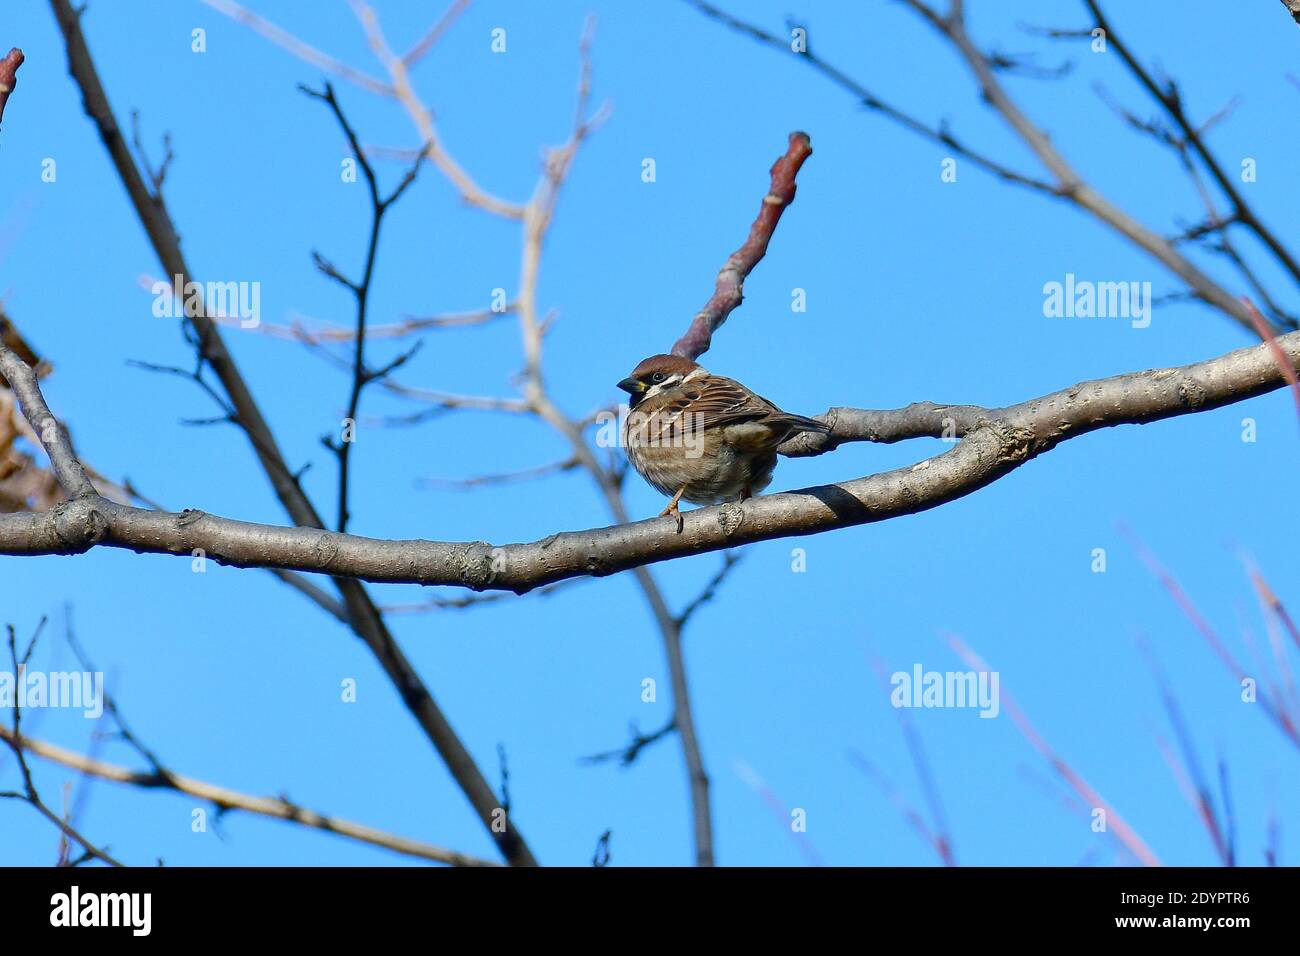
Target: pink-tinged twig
(1192, 793)
(1115, 824)
(1277, 692)
(1273, 848)
(779, 810)
(1229, 814)
(1170, 583)
(729, 291)
(938, 841)
(1068, 799)
(1273, 691)
(1270, 598)
(1291, 696)
(9, 76)
(1265, 332)
(1187, 772)
(941, 836)
(1273, 612)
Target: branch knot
(79, 525)
(730, 518)
(1014, 444)
(1191, 393)
(480, 563)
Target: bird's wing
(716, 401)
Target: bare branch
(9, 76)
(303, 51)
(53, 436)
(729, 561)
(1118, 826)
(485, 403)
(430, 39)
(1279, 356)
(940, 834)
(939, 842)
(1070, 182)
(226, 799)
(361, 375)
(363, 616)
(871, 101)
(1169, 97)
(729, 291)
(12, 736)
(600, 858)
(1067, 183)
(502, 478)
(422, 116)
(627, 755)
(466, 601)
(157, 175)
(993, 445)
(407, 326)
(1187, 773)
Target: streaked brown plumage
(702, 437)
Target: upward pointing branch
(729, 291)
(9, 76)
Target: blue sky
(916, 289)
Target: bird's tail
(801, 423)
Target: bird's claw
(676, 513)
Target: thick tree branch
(994, 443)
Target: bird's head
(655, 374)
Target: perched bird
(702, 437)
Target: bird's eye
(657, 377)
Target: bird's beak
(632, 386)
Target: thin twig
(361, 375)
(628, 754)
(226, 799)
(303, 51)
(935, 134)
(12, 736)
(434, 34)
(1170, 98)
(1116, 825)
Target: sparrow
(701, 437)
